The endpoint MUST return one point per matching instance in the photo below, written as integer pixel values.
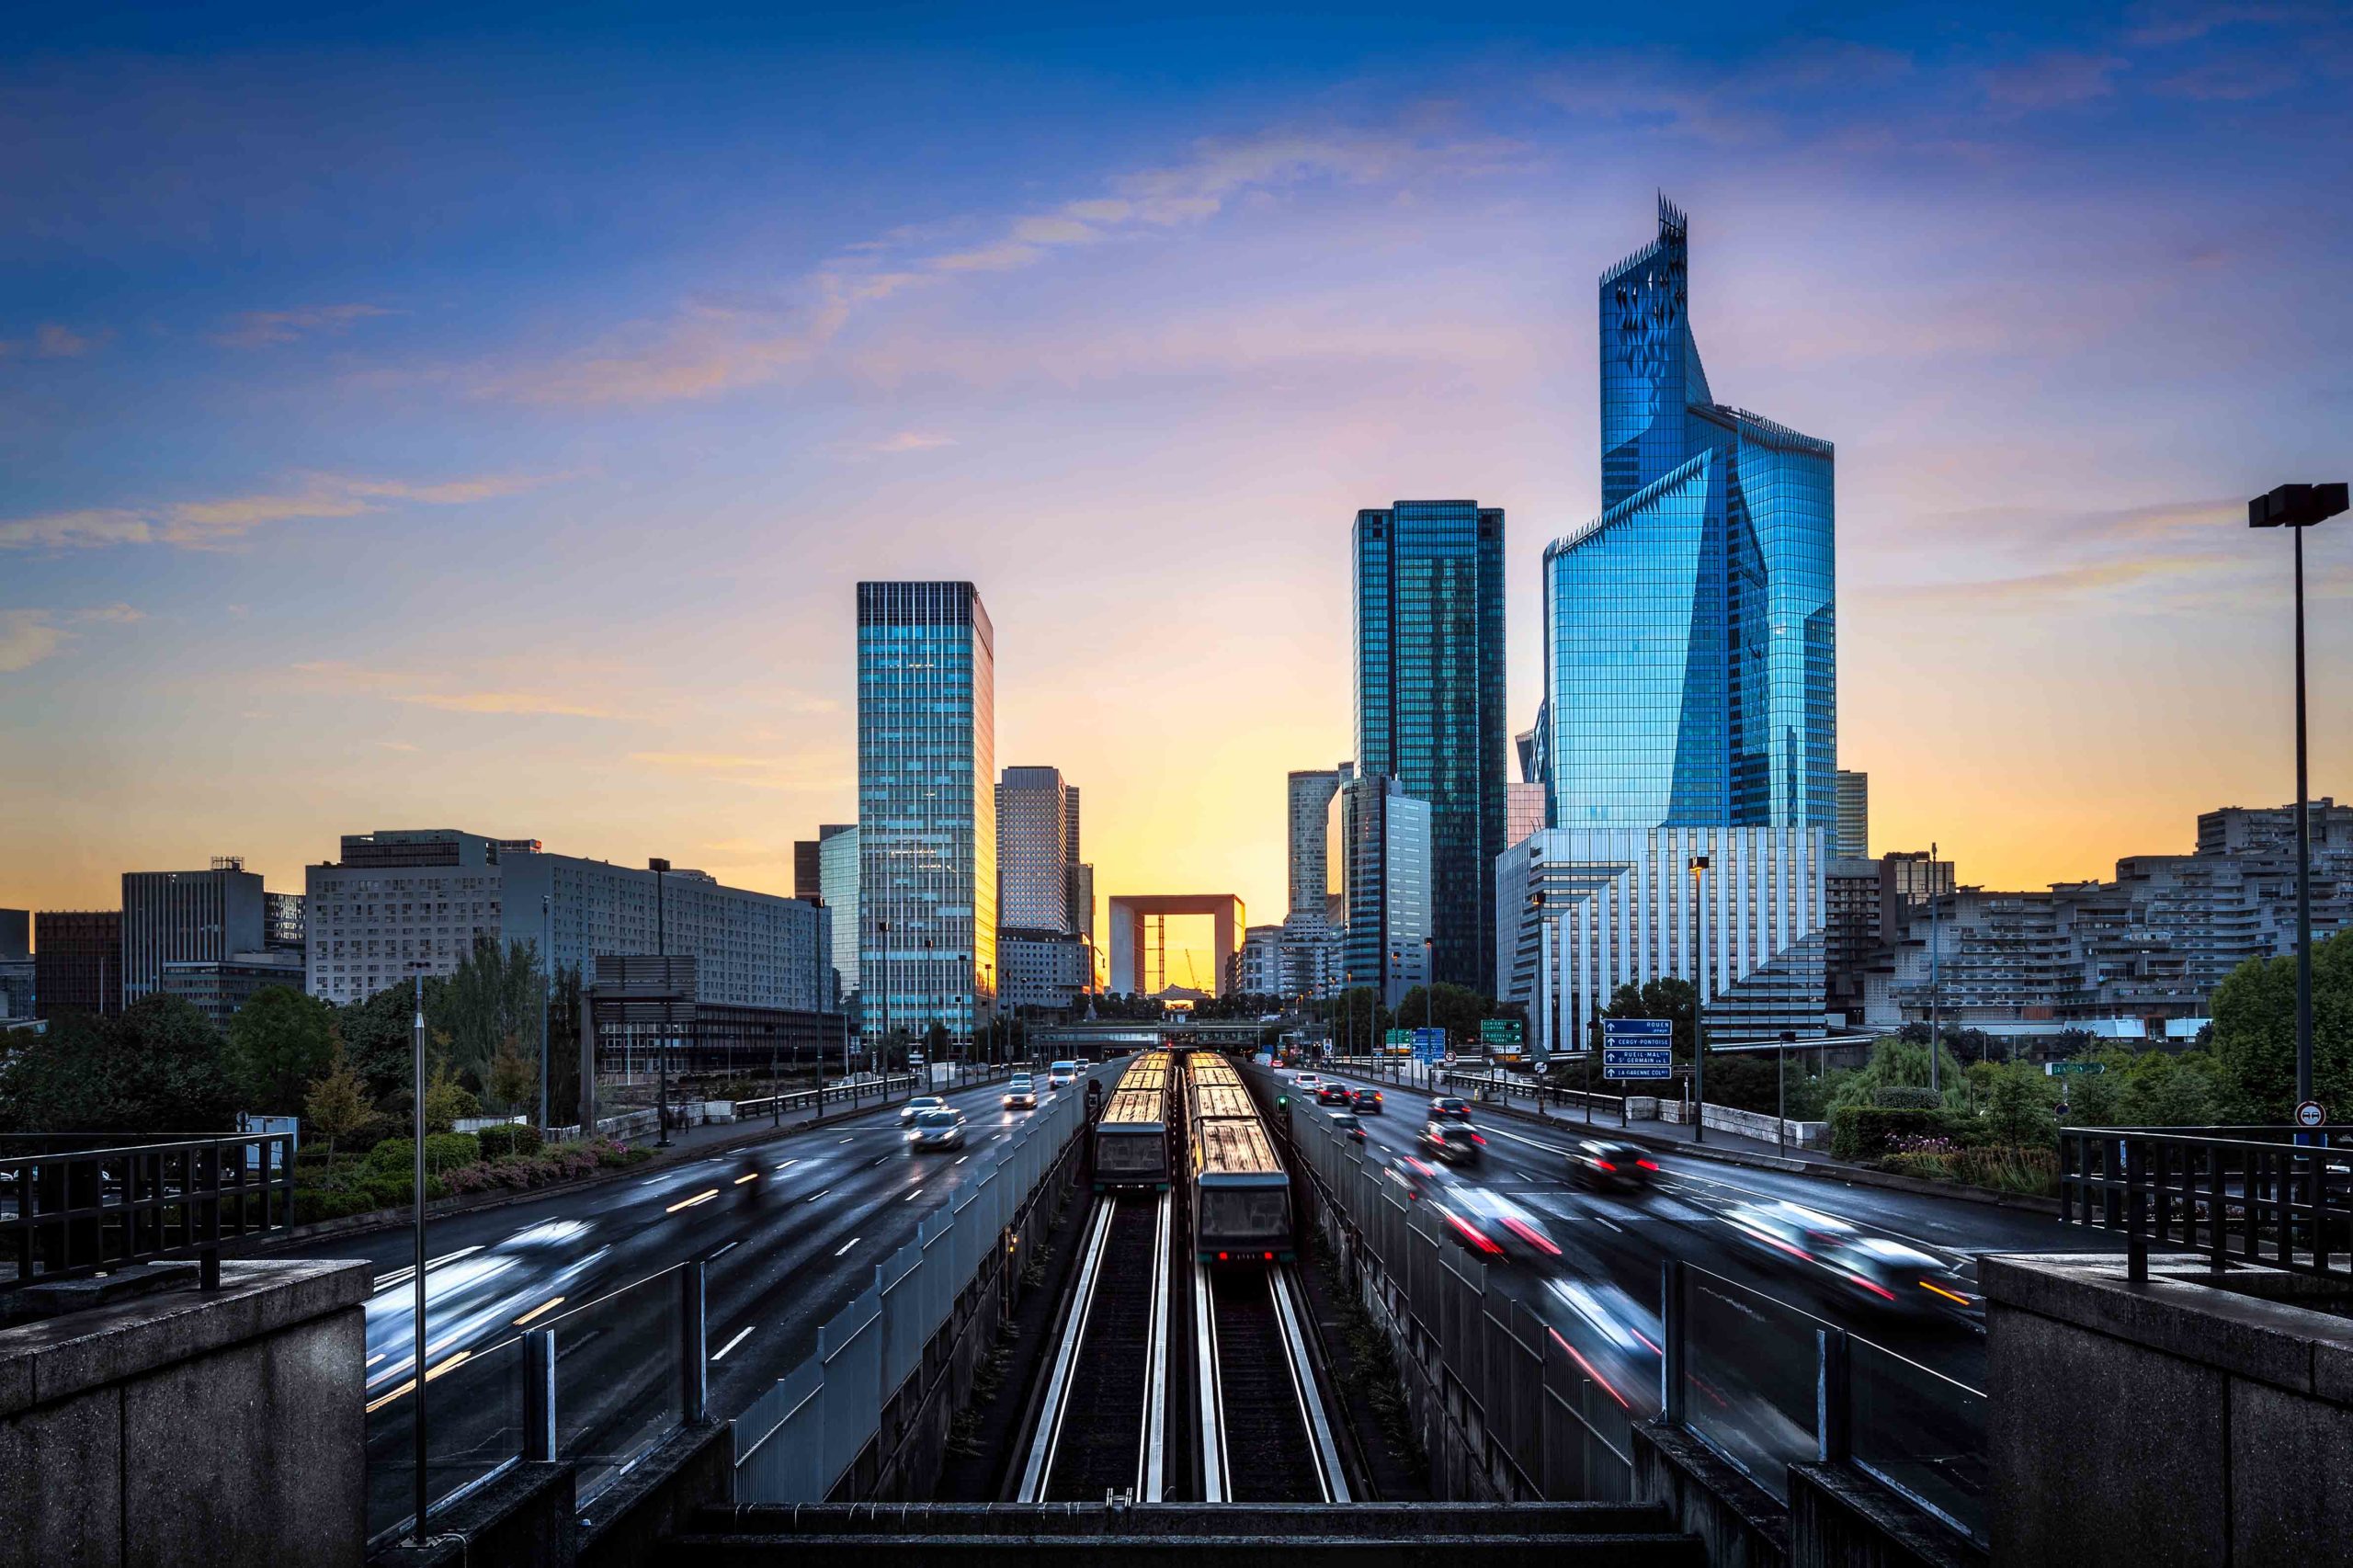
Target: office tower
(1310, 805)
(1036, 844)
(186, 918)
(77, 961)
(395, 900)
(1689, 647)
(1523, 811)
(16, 933)
(1908, 880)
(218, 988)
(282, 925)
(1391, 874)
(1854, 836)
(1039, 969)
(1082, 900)
(837, 881)
(1429, 636)
(808, 874)
(927, 808)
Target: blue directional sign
(1637, 1048)
(1429, 1044)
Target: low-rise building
(219, 987)
(1039, 969)
(77, 961)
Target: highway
(787, 1251)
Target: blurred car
(1491, 1225)
(1021, 1094)
(1306, 1083)
(1450, 1107)
(1455, 1142)
(1619, 1168)
(1346, 1122)
(1332, 1094)
(1878, 1270)
(1062, 1075)
(939, 1129)
(918, 1104)
(1366, 1101)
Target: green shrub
(1903, 1096)
(395, 1157)
(509, 1138)
(2034, 1172)
(1926, 1166)
(1863, 1132)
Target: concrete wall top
(55, 1358)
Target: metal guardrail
(2276, 1197)
(76, 1204)
(797, 1439)
(853, 1093)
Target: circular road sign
(2062, 1107)
(2309, 1114)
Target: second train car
(1241, 1193)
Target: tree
(514, 1078)
(157, 1067)
(1665, 998)
(1457, 1009)
(2018, 1107)
(446, 1099)
(493, 997)
(279, 1042)
(2254, 1032)
(1903, 1064)
(337, 1105)
(380, 1033)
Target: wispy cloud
(911, 441)
(264, 329)
(425, 690)
(2053, 80)
(753, 772)
(712, 346)
(29, 636)
(2042, 590)
(216, 524)
(50, 340)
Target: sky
(408, 420)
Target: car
(1450, 1107)
(1600, 1163)
(1062, 1075)
(1454, 1142)
(1366, 1101)
(1306, 1081)
(1328, 1093)
(936, 1128)
(1879, 1271)
(918, 1104)
(1490, 1224)
(1021, 1094)
(1346, 1123)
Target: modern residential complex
(1623, 906)
(188, 917)
(926, 806)
(77, 961)
(1390, 862)
(1429, 691)
(1689, 647)
(837, 884)
(1037, 845)
(1854, 808)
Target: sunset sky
(407, 422)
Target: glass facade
(1690, 648)
(1390, 858)
(927, 808)
(1429, 614)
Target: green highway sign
(1499, 1032)
(1397, 1036)
(2061, 1069)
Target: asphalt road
(787, 1251)
(1752, 1353)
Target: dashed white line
(849, 1244)
(814, 1196)
(912, 1195)
(961, 1158)
(741, 1334)
(787, 1164)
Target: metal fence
(2280, 1197)
(77, 1203)
(1762, 1383)
(797, 1439)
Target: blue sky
(411, 421)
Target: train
(1132, 1146)
(1241, 1192)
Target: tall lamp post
(2297, 508)
(416, 1210)
(547, 990)
(1936, 974)
(1699, 1023)
(662, 1045)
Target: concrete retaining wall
(187, 1426)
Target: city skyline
(649, 651)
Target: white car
(921, 1103)
(937, 1128)
(1062, 1075)
(1021, 1094)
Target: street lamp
(417, 1211)
(2297, 508)
(1782, 1089)
(659, 866)
(547, 990)
(1699, 867)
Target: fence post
(2136, 1244)
(1671, 1331)
(538, 1395)
(694, 1366)
(1832, 1406)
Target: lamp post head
(2296, 505)
(1698, 863)
(657, 864)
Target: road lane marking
(548, 1305)
(845, 1140)
(703, 1197)
(849, 1244)
(961, 1158)
(723, 1252)
(787, 1164)
(740, 1336)
(912, 1195)
(878, 1161)
(407, 1272)
(814, 1196)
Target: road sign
(2309, 1114)
(1637, 1048)
(1397, 1036)
(1499, 1032)
(2061, 1069)
(2062, 1108)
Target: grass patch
(1373, 1365)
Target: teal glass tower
(1689, 631)
(926, 809)
(1429, 614)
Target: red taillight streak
(1605, 1165)
(1646, 1342)
(1479, 1141)
(1647, 1164)
(1589, 1371)
(1482, 1242)
(1533, 1237)
(1869, 1285)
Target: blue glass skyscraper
(1429, 612)
(927, 808)
(1689, 631)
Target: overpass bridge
(1141, 1034)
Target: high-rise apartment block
(1852, 839)
(77, 961)
(397, 901)
(926, 806)
(1037, 844)
(186, 918)
(1429, 646)
(1689, 631)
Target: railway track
(1265, 1438)
(1101, 1430)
